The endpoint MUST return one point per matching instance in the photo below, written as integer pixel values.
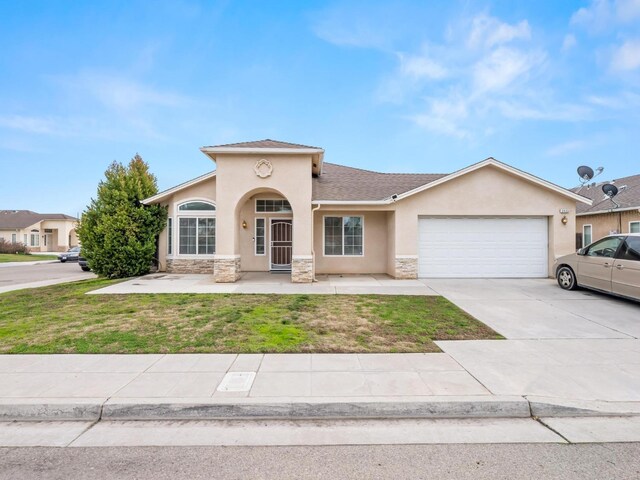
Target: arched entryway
(265, 225)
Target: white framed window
(343, 236)
(169, 235)
(634, 227)
(269, 205)
(260, 237)
(586, 235)
(196, 224)
(197, 236)
(26, 239)
(14, 238)
(35, 240)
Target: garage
(483, 247)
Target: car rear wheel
(566, 278)
(85, 269)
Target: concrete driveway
(570, 345)
(19, 276)
(538, 308)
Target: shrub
(118, 233)
(9, 247)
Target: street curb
(274, 408)
(470, 407)
(560, 407)
(51, 411)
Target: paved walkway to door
(276, 283)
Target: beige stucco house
(605, 216)
(276, 206)
(41, 232)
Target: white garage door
(483, 247)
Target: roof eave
(609, 210)
(386, 201)
(166, 193)
(260, 150)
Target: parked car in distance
(610, 265)
(83, 264)
(70, 255)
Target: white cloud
(347, 25)
(444, 117)
(566, 147)
(569, 42)
(623, 100)
(628, 10)
(502, 67)
(124, 94)
(602, 15)
(542, 110)
(421, 67)
(594, 17)
(488, 32)
(626, 57)
(120, 93)
(29, 124)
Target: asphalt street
(40, 274)
(618, 461)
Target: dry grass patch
(62, 319)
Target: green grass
(13, 257)
(62, 319)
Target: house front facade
(41, 232)
(273, 206)
(608, 216)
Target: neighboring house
(276, 206)
(41, 232)
(603, 217)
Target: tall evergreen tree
(117, 233)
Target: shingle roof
(627, 198)
(266, 143)
(10, 219)
(338, 182)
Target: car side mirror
(581, 251)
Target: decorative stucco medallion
(263, 168)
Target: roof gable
(502, 166)
(170, 191)
(16, 219)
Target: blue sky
(391, 86)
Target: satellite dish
(610, 190)
(585, 173)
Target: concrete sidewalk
(202, 386)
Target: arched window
(196, 228)
(197, 206)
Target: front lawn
(13, 257)
(62, 319)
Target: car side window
(607, 247)
(631, 249)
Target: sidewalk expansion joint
(541, 422)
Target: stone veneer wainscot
(302, 269)
(406, 267)
(189, 265)
(226, 268)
